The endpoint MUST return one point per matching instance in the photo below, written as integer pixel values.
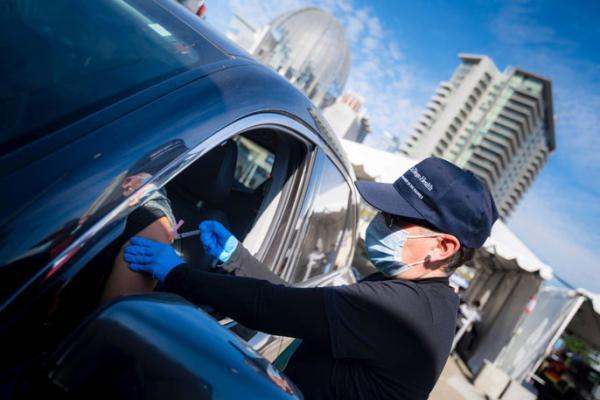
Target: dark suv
(104, 104)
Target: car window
(62, 60)
(254, 163)
(326, 226)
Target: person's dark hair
(462, 256)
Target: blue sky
(401, 50)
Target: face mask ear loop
(417, 262)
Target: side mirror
(155, 347)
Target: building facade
(499, 125)
(346, 118)
(307, 46)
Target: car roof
(233, 56)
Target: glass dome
(311, 50)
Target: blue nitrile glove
(157, 259)
(218, 242)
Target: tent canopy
(514, 253)
(558, 311)
(376, 165)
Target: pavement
(455, 384)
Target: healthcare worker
(386, 337)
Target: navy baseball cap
(438, 192)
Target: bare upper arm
(122, 281)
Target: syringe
(183, 235)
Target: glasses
(398, 223)
(393, 221)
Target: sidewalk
(454, 384)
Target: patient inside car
(195, 195)
(153, 220)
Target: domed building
(308, 47)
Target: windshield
(62, 60)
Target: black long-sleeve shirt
(380, 338)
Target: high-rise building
(306, 46)
(499, 125)
(346, 118)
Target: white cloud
(375, 29)
(578, 125)
(354, 26)
(395, 52)
(516, 25)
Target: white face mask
(385, 245)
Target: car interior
(234, 184)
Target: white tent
(376, 165)
(586, 323)
(507, 279)
(505, 244)
(558, 311)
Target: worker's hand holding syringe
(158, 259)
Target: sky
(400, 52)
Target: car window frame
(307, 209)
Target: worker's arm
(244, 264)
(257, 304)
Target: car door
(321, 239)
(66, 297)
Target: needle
(186, 234)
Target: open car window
(238, 183)
(254, 164)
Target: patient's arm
(122, 281)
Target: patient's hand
(122, 281)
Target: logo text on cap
(422, 178)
